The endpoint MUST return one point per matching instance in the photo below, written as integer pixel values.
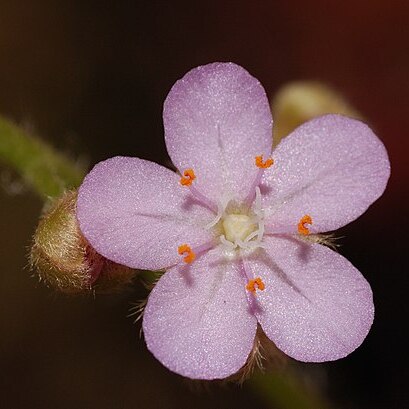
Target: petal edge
(197, 322)
(331, 168)
(213, 116)
(316, 306)
(134, 212)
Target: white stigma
(237, 227)
(242, 229)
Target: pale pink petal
(316, 305)
(217, 119)
(136, 213)
(197, 320)
(331, 168)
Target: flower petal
(135, 213)
(331, 168)
(316, 305)
(217, 119)
(197, 320)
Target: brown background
(91, 78)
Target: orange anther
(185, 250)
(255, 284)
(301, 225)
(263, 164)
(188, 177)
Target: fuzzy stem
(47, 172)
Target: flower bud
(298, 102)
(64, 259)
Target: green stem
(48, 172)
(284, 390)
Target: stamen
(258, 210)
(302, 229)
(185, 250)
(255, 284)
(187, 180)
(204, 247)
(188, 177)
(263, 164)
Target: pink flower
(235, 232)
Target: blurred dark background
(91, 77)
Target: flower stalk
(46, 171)
(285, 390)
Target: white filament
(221, 207)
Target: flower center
(237, 227)
(233, 228)
(240, 229)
